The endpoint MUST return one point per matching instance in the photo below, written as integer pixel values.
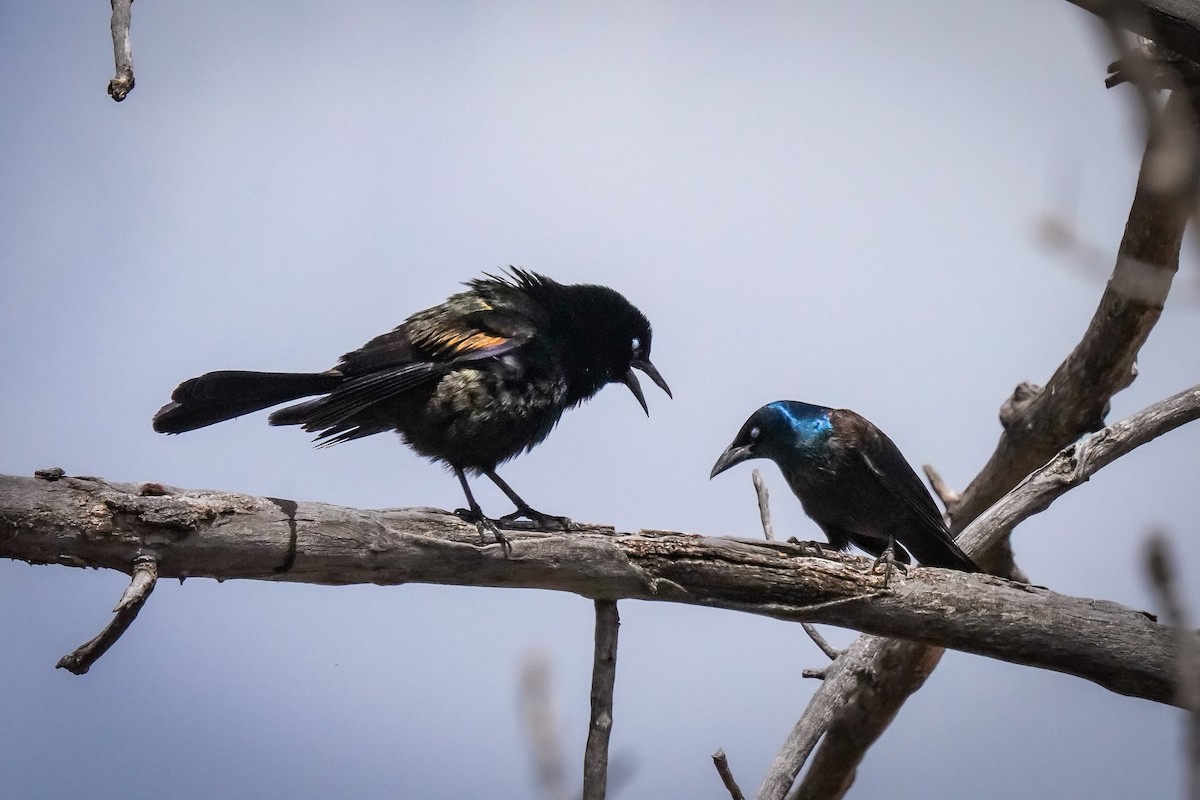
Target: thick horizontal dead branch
(90, 522)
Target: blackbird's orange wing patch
(471, 337)
(455, 343)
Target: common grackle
(471, 382)
(851, 480)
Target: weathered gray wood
(1174, 24)
(122, 83)
(604, 679)
(90, 522)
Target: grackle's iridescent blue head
(783, 429)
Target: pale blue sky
(830, 202)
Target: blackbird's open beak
(630, 379)
(734, 454)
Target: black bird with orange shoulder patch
(471, 382)
(851, 480)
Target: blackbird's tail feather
(218, 396)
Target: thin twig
(820, 641)
(122, 84)
(604, 676)
(948, 496)
(764, 514)
(722, 765)
(1159, 562)
(764, 505)
(141, 584)
(541, 726)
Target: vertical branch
(122, 83)
(541, 726)
(604, 676)
(1187, 669)
(764, 505)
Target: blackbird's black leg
(544, 521)
(475, 514)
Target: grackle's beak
(630, 379)
(734, 454)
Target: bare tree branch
(942, 489)
(820, 641)
(880, 673)
(1037, 423)
(541, 727)
(1075, 464)
(722, 764)
(604, 678)
(122, 84)
(145, 574)
(764, 505)
(1159, 565)
(1174, 24)
(87, 522)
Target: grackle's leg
(888, 559)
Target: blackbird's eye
(635, 344)
(754, 434)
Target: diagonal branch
(721, 762)
(1037, 423)
(145, 575)
(905, 665)
(1075, 464)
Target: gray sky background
(832, 202)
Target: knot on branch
(1153, 68)
(1014, 408)
(120, 86)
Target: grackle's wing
(887, 464)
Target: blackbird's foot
(485, 526)
(546, 522)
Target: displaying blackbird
(851, 480)
(471, 382)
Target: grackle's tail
(218, 396)
(940, 551)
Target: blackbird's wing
(429, 345)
